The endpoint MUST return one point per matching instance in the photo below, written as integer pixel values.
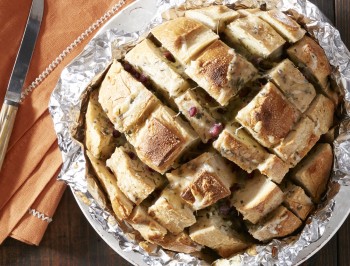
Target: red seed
(216, 130)
(193, 111)
(128, 67)
(116, 133)
(143, 79)
(169, 56)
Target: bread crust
(279, 223)
(184, 37)
(308, 55)
(221, 71)
(269, 117)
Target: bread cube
(172, 212)
(213, 231)
(297, 201)
(125, 100)
(274, 168)
(179, 243)
(202, 181)
(296, 88)
(257, 36)
(121, 205)
(184, 37)
(237, 146)
(221, 71)
(308, 55)
(133, 177)
(149, 229)
(279, 223)
(298, 142)
(151, 61)
(256, 197)
(313, 172)
(99, 138)
(214, 17)
(321, 112)
(287, 27)
(162, 139)
(269, 117)
(203, 119)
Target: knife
(18, 75)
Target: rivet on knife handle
(7, 120)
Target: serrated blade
(24, 55)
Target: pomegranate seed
(116, 133)
(136, 75)
(169, 56)
(143, 79)
(216, 130)
(193, 111)
(128, 67)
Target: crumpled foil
(66, 101)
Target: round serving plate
(133, 18)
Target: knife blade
(18, 75)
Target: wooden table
(70, 240)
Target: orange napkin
(29, 192)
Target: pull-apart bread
(207, 133)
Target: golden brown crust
(308, 54)
(298, 142)
(283, 24)
(208, 187)
(221, 71)
(149, 229)
(125, 100)
(162, 139)
(279, 223)
(297, 201)
(321, 112)
(269, 117)
(184, 37)
(313, 172)
(256, 197)
(257, 36)
(179, 243)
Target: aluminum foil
(66, 102)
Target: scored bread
(313, 172)
(221, 71)
(202, 181)
(125, 100)
(297, 89)
(162, 139)
(99, 138)
(256, 197)
(213, 231)
(281, 222)
(151, 61)
(121, 205)
(269, 117)
(231, 96)
(308, 55)
(135, 179)
(184, 37)
(257, 36)
(172, 212)
(214, 17)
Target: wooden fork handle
(7, 120)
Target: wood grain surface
(70, 240)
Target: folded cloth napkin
(29, 191)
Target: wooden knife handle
(7, 120)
